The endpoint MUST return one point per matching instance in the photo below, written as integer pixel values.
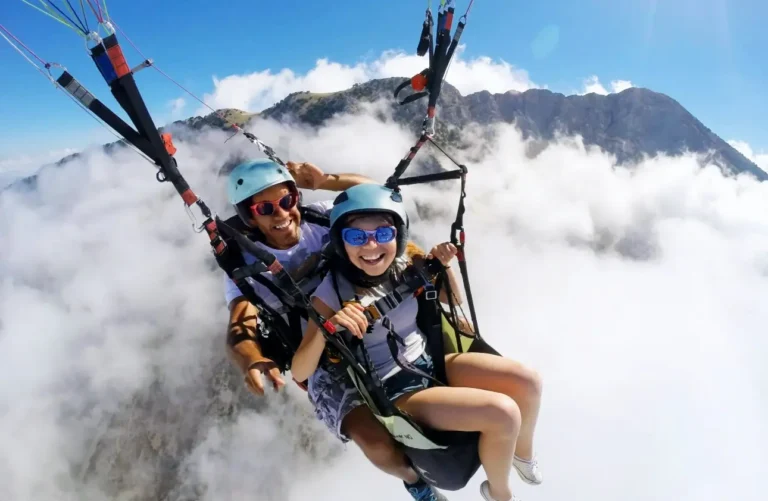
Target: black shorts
(406, 382)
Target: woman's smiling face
(373, 258)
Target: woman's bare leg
(501, 375)
(494, 415)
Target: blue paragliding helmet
(252, 177)
(368, 198)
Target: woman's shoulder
(326, 292)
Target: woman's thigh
(460, 409)
(491, 372)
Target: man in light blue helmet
(267, 202)
(269, 211)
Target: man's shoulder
(323, 207)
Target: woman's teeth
(371, 259)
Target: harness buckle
(429, 291)
(371, 310)
(374, 312)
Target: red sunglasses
(267, 207)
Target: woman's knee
(527, 382)
(534, 382)
(502, 414)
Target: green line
(50, 14)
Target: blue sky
(707, 54)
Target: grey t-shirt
(300, 258)
(403, 319)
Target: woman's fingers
(356, 313)
(351, 324)
(352, 318)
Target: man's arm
(243, 348)
(310, 176)
(341, 182)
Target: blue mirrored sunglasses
(358, 237)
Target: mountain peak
(631, 124)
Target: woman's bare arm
(307, 356)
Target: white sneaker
(486, 493)
(528, 470)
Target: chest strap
(412, 284)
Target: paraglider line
(50, 14)
(97, 14)
(251, 137)
(70, 19)
(45, 63)
(82, 9)
(161, 71)
(468, 9)
(83, 24)
(105, 13)
(47, 74)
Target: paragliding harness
(279, 339)
(446, 460)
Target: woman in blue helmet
(266, 198)
(492, 395)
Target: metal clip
(197, 228)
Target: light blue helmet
(369, 198)
(251, 177)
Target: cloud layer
(637, 294)
(19, 166)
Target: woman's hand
(351, 317)
(443, 252)
(307, 176)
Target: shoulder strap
(314, 216)
(410, 283)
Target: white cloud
(638, 295)
(620, 85)
(177, 107)
(259, 90)
(760, 159)
(19, 166)
(592, 84)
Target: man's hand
(307, 175)
(253, 377)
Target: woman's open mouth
(373, 260)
